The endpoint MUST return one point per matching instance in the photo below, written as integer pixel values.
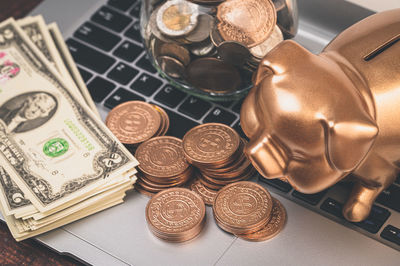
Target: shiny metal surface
(314, 119)
(309, 237)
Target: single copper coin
(205, 193)
(213, 75)
(174, 213)
(210, 143)
(233, 53)
(274, 226)
(143, 191)
(249, 22)
(162, 157)
(243, 207)
(165, 121)
(133, 122)
(176, 51)
(262, 49)
(171, 66)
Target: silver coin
(213, 75)
(202, 31)
(171, 66)
(215, 37)
(204, 48)
(152, 28)
(233, 53)
(177, 17)
(261, 50)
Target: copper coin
(243, 207)
(213, 75)
(186, 175)
(133, 122)
(262, 49)
(175, 212)
(233, 53)
(171, 66)
(176, 51)
(274, 226)
(162, 157)
(143, 191)
(210, 143)
(249, 22)
(165, 120)
(205, 193)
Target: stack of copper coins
(248, 211)
(176, 215)
(162, 165)
(134, 122)
(217, 151)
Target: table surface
(27, 252)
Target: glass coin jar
(211, 48)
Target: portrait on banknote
(27, 111)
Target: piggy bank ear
(262, 72)
(348, 142)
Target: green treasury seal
(55, 147)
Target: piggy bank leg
(374, 176)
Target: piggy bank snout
(267, 156)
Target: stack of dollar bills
(58, 161)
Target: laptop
(315, 232)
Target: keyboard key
(89, 57)
(179, 125)
(218, 115)
(128, 51)
(122, 73)
(121, 96)
(239, 130)
(312, 199)
(276, 183)
(170, 96)
(390, 198)
(136, 11)
(123, 5)
(391, 234)
(99, 88)
(85, 75)
(237, 106)
(225, 104)
(375, 220)
(144, 63)
(146, 84)
(134, 32)
(111, 19)
(333, 207)
(194, 107)
(96, 36)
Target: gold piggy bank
(314, 119)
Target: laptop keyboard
(111, 58)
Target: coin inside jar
(262, 49)
(171, 66)
(233, 53)
(177, 17)
(176, 51)
(213, 75)
(202, 30)
(249, 22)
(204, 48)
